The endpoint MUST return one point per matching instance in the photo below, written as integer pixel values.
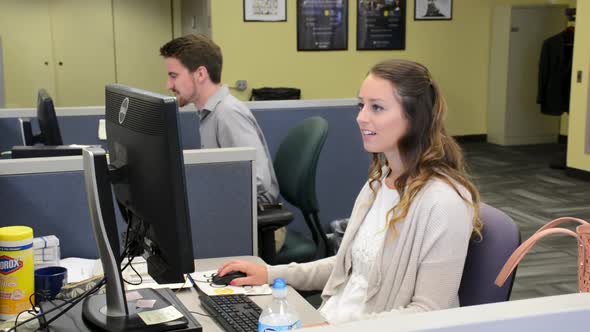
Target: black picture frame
(322, 25)
(381, 25)
(433, 10)
(265, 10)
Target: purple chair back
(486, 257)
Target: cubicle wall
(343, 164)
(48, 194)
(10, 133)
(79, 125)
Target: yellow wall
(133, 20)
(578, 125)
(457, 53)
(265, 54)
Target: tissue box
(47, 254)
(45, 242)
(46, 251)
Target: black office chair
(295, 166)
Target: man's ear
(201, 74)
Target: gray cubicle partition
(343, 164)
(79, 125)
(10, 133)
(48, 194)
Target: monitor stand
(74, 320)
(111, 311)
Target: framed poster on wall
(381, 25)
(265, 10)
(432, 10)
(322, 25)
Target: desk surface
(190, 299)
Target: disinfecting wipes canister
(16, 270)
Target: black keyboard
(235, 313)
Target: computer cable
(76, 300)
(29, 311)
(129, 264)
(199, 313)
(127, 254)
(33, 311)
(71, 301)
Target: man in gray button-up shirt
(194, 66)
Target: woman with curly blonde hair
(406, 242)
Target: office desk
(189, 297)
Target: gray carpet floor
(519, 181)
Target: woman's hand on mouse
(257, 274)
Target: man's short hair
(194, 51)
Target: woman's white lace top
(349, 300)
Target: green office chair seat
(297, 248)
(295, 165)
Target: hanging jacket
(555, 71)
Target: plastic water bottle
(279, 316)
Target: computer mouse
(227, 278)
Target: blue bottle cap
(279, 283)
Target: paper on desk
(140, 265)
(203, 281)
(158, 316)
(102, 130)
(79, 268)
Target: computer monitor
(48, 142)
(146, 171)
(49, 127)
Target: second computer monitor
(50, 133)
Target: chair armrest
(272, 219)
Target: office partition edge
(202, 156)
(286, 104)
(253, 105)
(254, 208)
(74, 163)
(59, 111)
(40, 165)
(535, 314)
(268, 105)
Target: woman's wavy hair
(426, 150)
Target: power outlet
(241, 85)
